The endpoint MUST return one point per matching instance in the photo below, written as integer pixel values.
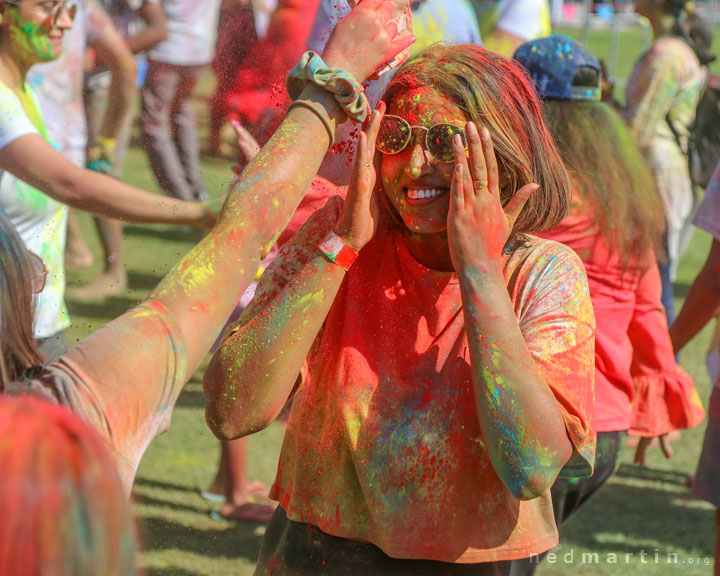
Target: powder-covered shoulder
(540, 254)
(544, 274)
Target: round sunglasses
(52, 12)
(395, 134)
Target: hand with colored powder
(361, 213)
(476, 211)
(367, 38)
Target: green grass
(640, 509)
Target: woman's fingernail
(485, 133)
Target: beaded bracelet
(348, 92)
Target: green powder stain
(29, 39)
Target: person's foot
(260, 512)
(77, 255)
(216, 492)
(105, 286)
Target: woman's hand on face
(478, 225)
(366, 39)
(361, 212)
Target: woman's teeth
(429, 193)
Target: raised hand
(361, 212)
(478, 225)
(367, 38)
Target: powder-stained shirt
(123, 380)
(383, 443)
(665, 85)
(638, 384)
(38, 219)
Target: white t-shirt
(527, 19)
(39, 220)
(192, 32)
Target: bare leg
(244, 500)
(114, 279)
(77, 254)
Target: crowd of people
(447, 260)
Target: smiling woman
(438, 356)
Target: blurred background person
(167, 120)
(37, 204)
(506, 24)
(662, 95)
(58, 86)
(106, 153)
(237, 33)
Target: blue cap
(553, 62)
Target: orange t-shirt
(383, 443)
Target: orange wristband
(337, 251)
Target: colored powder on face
(28, 39)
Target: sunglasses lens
(393, 135)
(70, 8)
(439, 141)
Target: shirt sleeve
(665, 398)
(14, 121)
(708, 214)
(557, 321)
(124, 380)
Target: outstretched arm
(32, 159)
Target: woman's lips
(424, 196)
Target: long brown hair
(496, 93)
(608, 170)
(18, 350)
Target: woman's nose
(420, 162)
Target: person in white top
(37, 181)
(506, 24)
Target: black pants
(294, 549)
(569, 494)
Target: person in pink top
(439, 356)
(615, 225)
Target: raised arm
(32, 159)
(202, 290)
(253, 373)
(521, 421)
